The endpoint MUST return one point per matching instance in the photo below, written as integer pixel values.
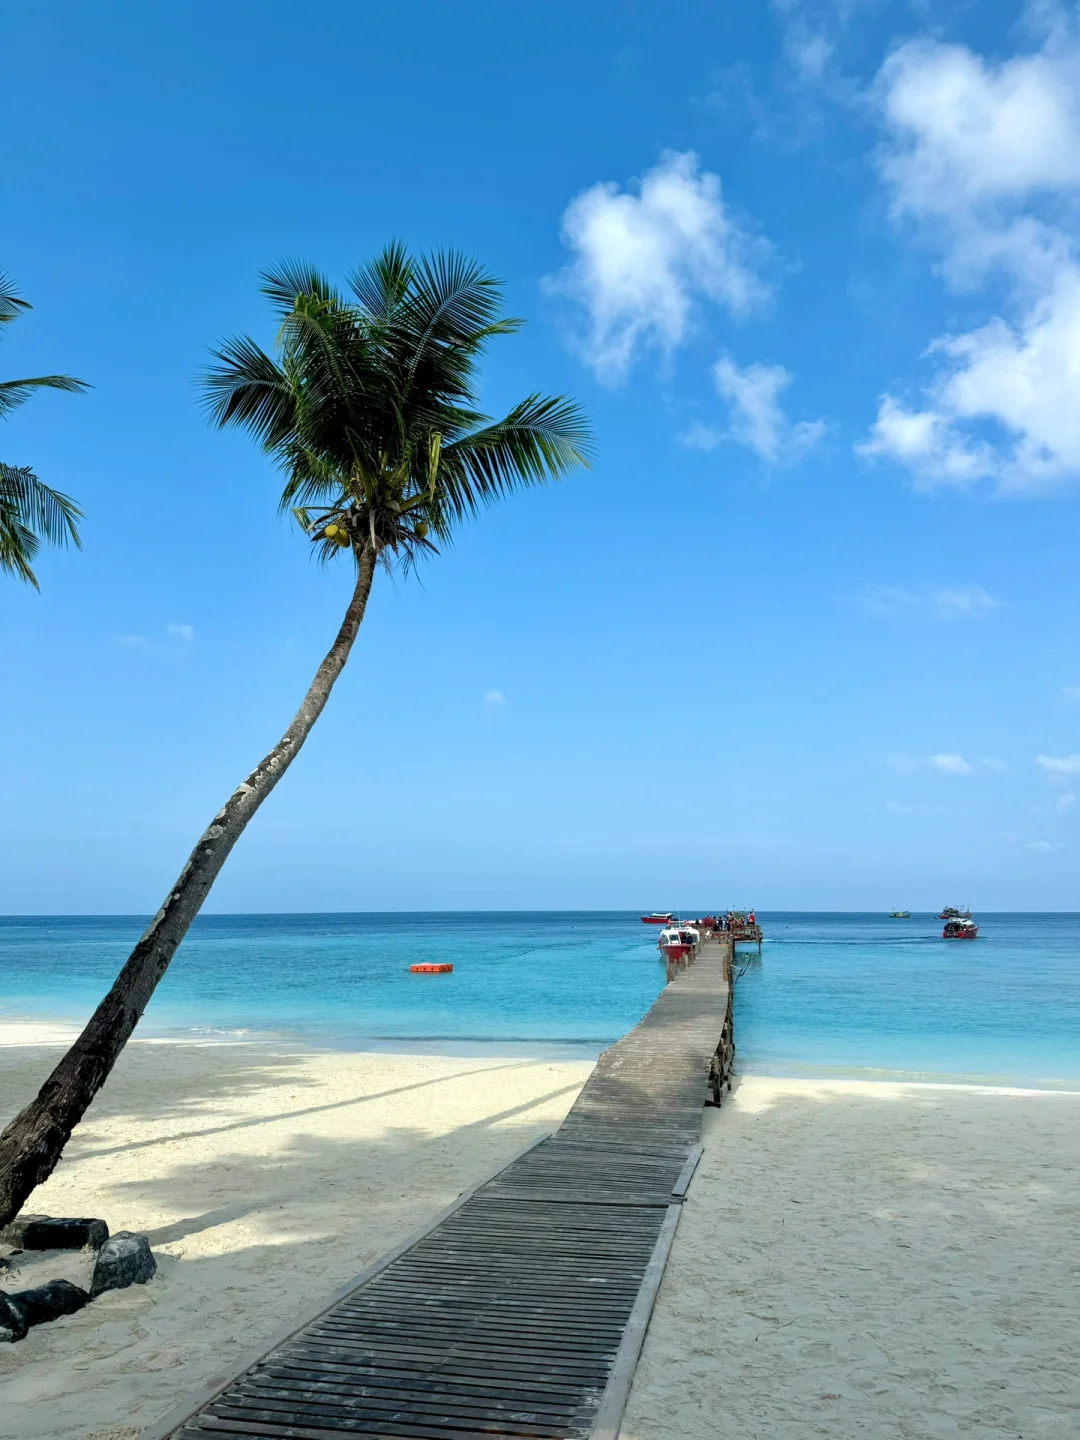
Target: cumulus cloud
(1066, 801)
(757, 419)
(967, 602)
(1059, 767)
(945, 602)
(494, 697)
(182, 632)
(945, 763)
(980, 157)
(642, 260)
(1041, 845)
(1071, 692)
(992, 763)
(949, 764)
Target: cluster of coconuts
(340, 536)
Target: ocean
(832, 994)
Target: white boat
(678, 941)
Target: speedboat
(678, 941)
(658, 917)
(960, 928)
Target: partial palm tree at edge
(30, 511)
(370, 409)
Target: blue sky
(805, 635)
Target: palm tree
(370, 409)
(30, 511)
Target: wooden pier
(521, 1310)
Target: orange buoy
(431, 969)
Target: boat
(960, 928)
(677, 942)
(658, 917)
(899, 914)
(952, 913)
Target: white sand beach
(265, 1178)
(861, 1259)
(853, 1260)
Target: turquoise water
(831, 995)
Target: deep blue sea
(832, 994)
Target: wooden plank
(188, 1408)
(609, 1416)
(521, 1310)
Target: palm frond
(453, 308)
(11, 305)
(290, 278)
(248, 388)
(383, 283)
(30, 513)
(14, 393)
(370, 405)
(541, 439)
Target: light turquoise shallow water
(832, 994)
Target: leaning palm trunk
(32, 1144)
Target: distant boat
(962, 928)
(658, 917)
(952, 913)
(899, 914)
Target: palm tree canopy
(370, 405)
(30, 512)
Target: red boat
(658, 917)
(962, 929)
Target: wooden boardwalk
(522, 1310)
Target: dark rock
(49, 1302)
(41, 1232)
(13, 1321)
(123, 1260)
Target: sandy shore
(265, 1179)
(872, 1260)
(854, 1259)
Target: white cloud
(182, 632)
(1071, 692)
(949, 764)
(946, 602)
(1059, 767)
(944, 763)
(494, 697)
(757, 418)
(974, 151)
(970, 602)
(1041, 845)
(1066, 801)
(134, 642)
(642, 260)
(997, 766)
(965, 134)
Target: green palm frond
(30, 513)
(370, 406)
(14, 393)
(383, 284)
(11, 305)
(290, 278)
(248, 388)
